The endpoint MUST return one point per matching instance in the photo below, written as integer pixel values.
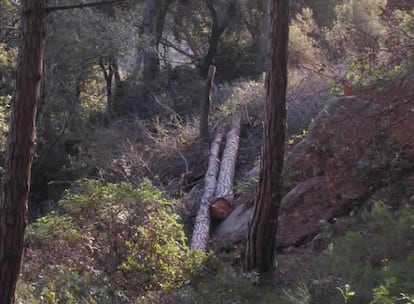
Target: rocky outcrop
(355, 150)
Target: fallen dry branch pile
(218, 191)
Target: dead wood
(228, 163)
(202, 222)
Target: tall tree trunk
(20, 145)
(150, 58)
(261, 244)
(161, 14)
(208, 59)
(217, 30)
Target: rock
(354, 149)
(311, 202)
(233, 228)
(355, 139)
(302, 210)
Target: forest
(207, 151)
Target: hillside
(134, 156)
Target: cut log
(220, 209)
(228, 163)
(202, 222)
(224, 191)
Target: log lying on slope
(202, 222)
(224, 195)
(228, 162)
(224, 189)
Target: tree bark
(202, 222)
(150, 58)
(20, 145)
(261, 244)
(108, 74)
(216, 31)
(228, 163)
(205, 111)
(161, 14)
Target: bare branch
(12, 28)
(14, 3)
(177, 48)
(82, 5)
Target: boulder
(233, 228)
(355, 150)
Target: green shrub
(53, 228)
(373, 258)
(235, 59)
(158, 255)
(116, 242)
(221, 284)
(7, 64)
(302, 46)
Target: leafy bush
(116, 242)
(223, 285)
(7, 65)
(234, 60)
(158, 255)
(302, 46)
(52, 228)
(372, 259)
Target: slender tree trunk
(20, 145)
(202, 222)
(205, 111)
(161, 14)
(261, 244)
(150, 58)
(108, 75)
(115, 68)
(208, 59)
(216, 31)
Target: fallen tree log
(228, 164)
(224, 196)
(221, 189)
(202, 222)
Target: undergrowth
(114, 244)
(370, 264)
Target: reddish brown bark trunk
(20, 146)
(260, 252)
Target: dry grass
(308, 92)
(136, 149)
(168, 145)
